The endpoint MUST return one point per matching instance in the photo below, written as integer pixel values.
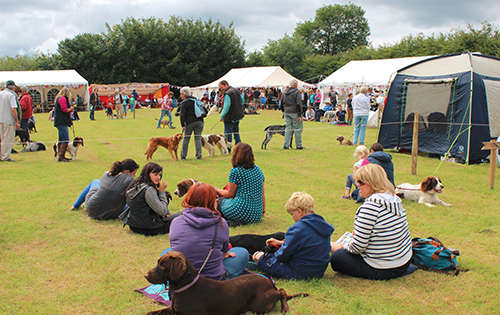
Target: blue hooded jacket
(307, 246)
(385, 160)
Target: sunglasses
(360, 183)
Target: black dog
(253, 242)
(271, 131)
(31, 125)
(23, 135)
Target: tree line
(194, 52)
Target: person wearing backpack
(190, 123)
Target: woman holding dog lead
(190, 123)
(202, 235)
(244, 202)
(147, 199)
(381, 243)
(104, 199)
(62, 119)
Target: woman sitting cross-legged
(148, 212)
(201, 227)
(104, 199)
(244, 202)
(381, 245)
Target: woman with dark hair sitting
(104, 199)
(148, 203)
(381, 245)
(244, 202)
(202, 235)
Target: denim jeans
(197, 128)
(231, 128)
(234, 265)
(163, 113)
(293, 127)
(63, 132)
(81, 199)
(360, 123)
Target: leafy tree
(288, 52)
(184, 52)
(88, 54)
(39, 61)
(335, 28)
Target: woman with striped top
(381, 243)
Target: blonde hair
(375, 176)
(362, 151)
(300, 200)
(64, 92)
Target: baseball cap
(10, 82)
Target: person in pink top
(62, 119)
(166, 107)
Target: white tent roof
(255, 77)
(369, 72)
(49, 77)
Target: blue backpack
(430, 254)
(199, 110)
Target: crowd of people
(381, 243)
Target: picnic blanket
(157, 292)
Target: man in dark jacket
(291, 105)
(94, 102)
(232, 112)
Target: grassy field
(57, 261)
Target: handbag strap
(211, 248)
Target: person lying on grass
(381, 245)
(305, 251)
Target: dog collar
(184, 288)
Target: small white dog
(426, 192)
(73, 147)
(209, 142)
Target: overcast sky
(35, 25)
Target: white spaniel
(425, 192)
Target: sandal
(346, 197)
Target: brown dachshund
(193, 294)
(169, 143)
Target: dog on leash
(209, 142)
(183, 186)
(72, 149)
(253, 242)
(23, 136)
(164, 123)
(270, 132)
(193, 293)
(343, 141)
(425, 192)
(169, 143)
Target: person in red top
(26, 103)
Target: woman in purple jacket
(199, 228)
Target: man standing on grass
(291, 105)
(9, 120)
(232, 112)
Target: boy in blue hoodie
(305, 251)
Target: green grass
(56, 261)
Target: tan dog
(193, 293)
(169, 143)
(164, 122)
(209, 142)
(343, 141)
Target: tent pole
(414, 147)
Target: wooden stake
(414, 147)
(493, 145)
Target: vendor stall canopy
(456, 99)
